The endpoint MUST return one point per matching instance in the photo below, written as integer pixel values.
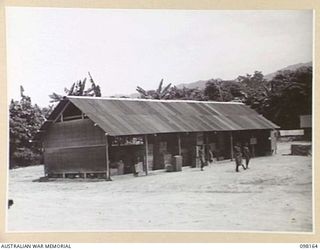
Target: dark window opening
(127, 140)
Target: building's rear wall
(85, 159)
(74, 146)
(75, 133)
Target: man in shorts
(201, 157)
(246, 153)
(238, 157)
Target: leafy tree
(213, 90)
(46, 111)
(234, 89)
(290, 96)
(186, 94)
(24, 121)
(255, 89)
(220, 90)
(78, 89)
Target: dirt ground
(275, 194)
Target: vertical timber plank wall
(75, 133)
(188, 146)
(158, 152)
(74, 146)
(263, 146)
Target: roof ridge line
(147, 100)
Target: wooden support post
(179, 145)
(108, 178)
(156, 154)
(147, 157)
(206, 139)
(44, 158)
(206, 149)
(231, 145)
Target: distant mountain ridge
(290, 67)
(193, 85)
(201, 84)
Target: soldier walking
(246, 153)
(238, 157)
(201, 157)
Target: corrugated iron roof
(141, 116)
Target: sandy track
(275, 194)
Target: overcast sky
(50, 48)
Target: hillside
(290, 67)
(193, 85)
(201, 83)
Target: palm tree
(78, 89)
(160, 93)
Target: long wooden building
(90, 137)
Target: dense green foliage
(282, 99)
(290, 96)
(159, 93)
(24, 121)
